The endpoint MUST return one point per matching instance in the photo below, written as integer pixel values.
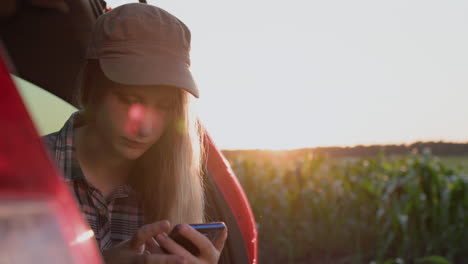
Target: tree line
(439, 148)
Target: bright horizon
(284, 75)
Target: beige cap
(140, 44)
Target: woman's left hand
(209, 252)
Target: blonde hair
(168, 176)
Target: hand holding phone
(210, 230)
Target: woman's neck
(100, 165)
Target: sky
(295, 74)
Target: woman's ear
(90, 82)
(95, 85)
(82, 84)
(89, 89)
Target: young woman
(132, 155)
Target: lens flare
(135, 115)
(136, 112)
(83, 237)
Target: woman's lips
(134, 144)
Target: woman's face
(130, 119)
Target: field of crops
(458, 163)
(406, 209)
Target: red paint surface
(232, 191)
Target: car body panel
(29, 179)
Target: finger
(159, 259)
(198, 239)
(173, 247)
(220, 240)
(153, 246)
(146, 232)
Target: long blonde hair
(167, 177)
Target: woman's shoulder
(49, 141)
(53, 141)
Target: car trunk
(44, 42)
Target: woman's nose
(145, 126)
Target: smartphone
(210, 230)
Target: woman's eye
(133, 100)
(165, 105)
(128, 99)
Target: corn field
(407, 209)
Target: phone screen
(210, 230)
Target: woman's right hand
(209, 252)
(132, 250)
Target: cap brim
(149, 71)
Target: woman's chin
(131, 153)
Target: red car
(44, 42)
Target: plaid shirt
(113, 219)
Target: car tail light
(39, 219)
(29, 233)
